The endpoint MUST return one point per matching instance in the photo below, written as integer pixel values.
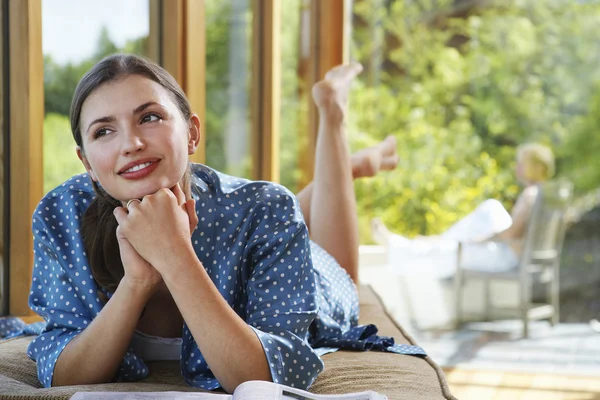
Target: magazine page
(251, 390)
(150, 396)
(262, 390)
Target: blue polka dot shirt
(254, 244)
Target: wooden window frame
(26, 87)
(266, 89)
(4, 178)
(183, 53)
(328, 44)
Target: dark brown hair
(99, 225)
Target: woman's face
(135, 140)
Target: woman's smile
(139, 169)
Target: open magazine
(251, 390)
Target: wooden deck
(498, 385)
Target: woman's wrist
(174, 266)
(142, 289)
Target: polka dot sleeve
(281, 299)
(54, 295)
(63, 290)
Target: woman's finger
(191, 211)
(178, 194)
(120, 214)
(131, 204)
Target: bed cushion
(395, 375)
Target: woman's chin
(145, 190)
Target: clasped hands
(154, 232)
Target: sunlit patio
(491, 360)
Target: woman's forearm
(94, 356)
(230, 347)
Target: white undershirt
(156, 348)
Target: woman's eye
(150, 118)
(101, 132)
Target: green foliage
(217, 44)
(60, 159)
(460, 90)
(580, 153)
(294, 110)
(60, 82)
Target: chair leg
(524, 314)
(458, 284)
(525, 326)
(554, 293)
(488, 300)
(525, 300)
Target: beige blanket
(397, 376)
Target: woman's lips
(140, 173)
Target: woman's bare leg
(332, 217)
(369, 162)
(365, 163)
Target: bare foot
(381, 157)
(331, 94)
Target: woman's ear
(86, 164)
(194, 134)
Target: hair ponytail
(99, 232)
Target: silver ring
(132, 200)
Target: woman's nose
(132, 141)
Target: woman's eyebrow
(102, 119)
(141, 108)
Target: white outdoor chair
(540, 258)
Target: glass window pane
(102, 28)
(228, 74)
(294, 93)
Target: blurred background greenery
(460, 83)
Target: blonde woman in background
(493, 237)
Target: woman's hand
(138, 272)
(160, 226)
(331, 94)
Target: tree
(461, 90)
(217, 43)
(60, 159)
(104, 46)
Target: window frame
(25, 127)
